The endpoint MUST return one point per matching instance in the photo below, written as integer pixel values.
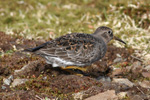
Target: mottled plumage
(76, 49)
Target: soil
(56, 83)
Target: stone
(10, 77)
(146, 74)
(147, 68)
(3, 87)
(145, 84)
(118, 55)
(121, 95)
(107, 95)
(18, 82)
(87, 93)
(7, 81)
(118, 59)
(128, 68)
(137, 67)
(146, 71)
(136, 97)
(79, 95)
(104, 78)
(30, 68)
(117, 71)
(123, 81)
(147, 59)
(45, 78)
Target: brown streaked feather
(73, 47)
(76, 49)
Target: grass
(130, 19)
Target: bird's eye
(110, 32)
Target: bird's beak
(119, 39)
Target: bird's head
(106, 34)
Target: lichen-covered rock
(107, 95)
(123, 81)
(18, 82)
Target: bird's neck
(101, 37)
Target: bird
(76, 50)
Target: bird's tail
(30, 49)
(34, 49)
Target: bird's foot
(75, 67)
(71, 71)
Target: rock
(8, 80)
(136, 67)
(21, 70)
(114, 86)
(118, 59)
(147, 68)
(87, 93)
(146, 71)
(121, 95)
(18, 82)
(10, 77)
(104, 78)
(146, 74)
(3, 87)
(123, 81)
(117, 71)
(147, 59)
(128, 68)
(45, 78)
(79, 95)
(145, 84)
(107, 95)
(118, 55)
(136, 97)
(34, 67)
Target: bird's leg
(71, 71)
(75, 67)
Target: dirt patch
(21, 95)
(6, 42)
(46, 81)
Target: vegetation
(46, 19)
(52, 18)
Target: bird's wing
(77, 47)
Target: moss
(9, 52)
(49, 19)
(42, 87)
(1, 80)
(42, 19)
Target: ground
(123, 74)
(44, 81)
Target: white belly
(58, 62)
